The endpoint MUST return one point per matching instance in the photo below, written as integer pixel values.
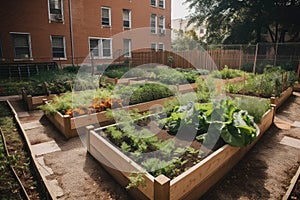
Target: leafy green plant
(256, 107)
(136, 180)
(237, 128)
(203, 93)
(271, 83)
(227, 73)
(142, 92)
(81, 99)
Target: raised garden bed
(70, 126)
(297, 87)
(183, 88)
(16, 154)
(278, 101)
(32, 102)
(191, 184)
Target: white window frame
(55, 17)
(155, 27)
(29, 45)
(109, 13)
(155, 3)
(100, 48)
(129, 48)
(129, 15)
(164, 4)
(163, 46)
(64, 43)
(162, 29)
(155, 49)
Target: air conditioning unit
(58, 17)
(162, 31)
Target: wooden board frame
(278, 101)
(32, 102)
(69, 126)
(297, 87)
(191, 184)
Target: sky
(179, 10)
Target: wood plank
(186, 181)
(278, 101)
(117, 175)
(117, 159)
(213, 178)
(297, 87)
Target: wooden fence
(210, 60)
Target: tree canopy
(247, 21)
(185, 40)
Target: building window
(22, 47)
(161, 3)
(161, 47)
(58, 47)
(101, 47)
(153, 47)
(56, 10)
(127, 47)
(126, 18)
(106, 16)
(153, 3)
(153, 23)
(161, 25)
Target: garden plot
(274, 83)
(69, 115)
(183, 178)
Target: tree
(247, 21)
(185, 40)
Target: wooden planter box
(32, 102)
(181, 88)
(278, 101)
(191, 184)
(124, 81)
(71, 126)
(233, 80)
(297, 87)
(187, 88)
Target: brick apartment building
(66, 31)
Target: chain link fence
(256, 57)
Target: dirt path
(71, 172)
(264, 173)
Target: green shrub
(271, 83)
(227, 73)
(139, 93)
(71, 69)
(256, 107)
(247, 67)
(203, 93)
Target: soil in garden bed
(19, 157)
(295, 195)
(194, 153)
(9, 187)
